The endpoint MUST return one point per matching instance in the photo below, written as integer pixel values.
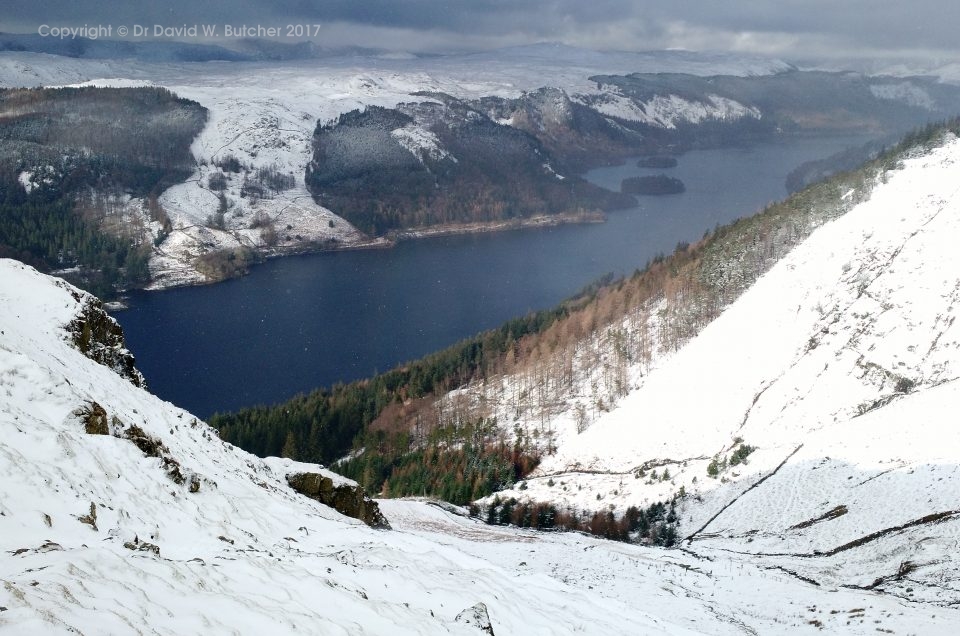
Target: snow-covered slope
(97, 535)
(840, 367)
(666, 111)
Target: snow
(420, 142)
(839, 365)
(666, 111)
(862, 285)
(245, 553)
(25, 179)
(905, 92)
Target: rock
(94, 419)
(476, 616)
(91, 518)
(152, 447)
(142, 546)
(99, 337)
(346, 499)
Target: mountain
(121, 513)
(241, 50)
(564, 111)
(807, 424)
(780, 390)
(428, 164)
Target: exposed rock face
(347, 499)
(100, 338)
(478, 617)
(94, 419)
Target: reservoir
(300, 322)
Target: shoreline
(487, 227)
(386, 242)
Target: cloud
(812, 29)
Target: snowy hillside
(810, 424)
(666, 111)
(171, 531)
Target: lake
(300, 322)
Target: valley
(270, 177)
(233, 547)
(453, 377)
(360, 311)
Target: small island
(655, 185)
(659, 162)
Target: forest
(475, 171)
(326, 423)
(455, 463)
(70, 161)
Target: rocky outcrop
(94, 419)
(346, 498)
(153, 447)
(100, 338)
(476, 616)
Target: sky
(921, 30)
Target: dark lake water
(300, 322)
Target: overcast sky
(917, 30)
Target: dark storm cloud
(811, 28)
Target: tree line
(654, 525)
(328, 422)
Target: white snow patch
(421, 143)
(25, 179)
(905, 92)
(666, 111)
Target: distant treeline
(655, 185)
(655, 525)
(69, 156)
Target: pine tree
(290, 450)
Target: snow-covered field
(244, 553)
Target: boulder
(346, 498)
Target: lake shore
(169, 280)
